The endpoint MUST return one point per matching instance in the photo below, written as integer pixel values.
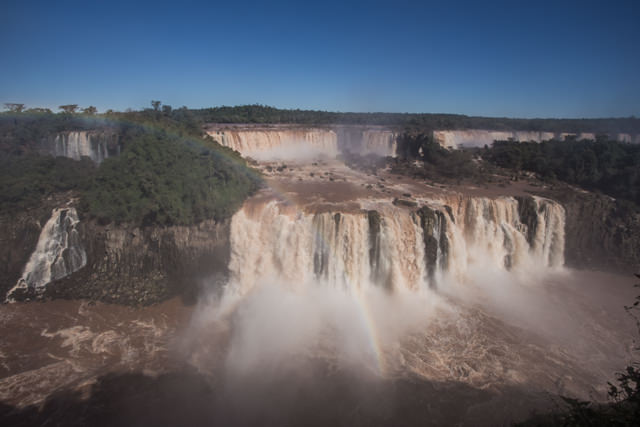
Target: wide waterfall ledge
(393, 247)
(304, 143)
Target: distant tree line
(412, 121)
(262, 114)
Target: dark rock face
(436, 243)
(378, 273)
(139, 266)
(600, 233)
(402, 202)
(126, 265)
(528, 211)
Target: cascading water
(393, 247)
(58, 253)
(279, 144)
(479, 138)
(305, 143)
(96, 145)
(379, 142)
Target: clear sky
(509, 58)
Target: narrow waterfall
(58, 253)
(393, 247)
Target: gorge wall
(395, 247)
(601, 233)
(50, 252)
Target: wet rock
(402, 202)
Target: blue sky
(509, 58)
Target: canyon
(328, 275)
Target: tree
(39, 110)
(166, 109)
(14, 108)
(91, 110)
(156, 105)
(69, 108)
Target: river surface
(478, 359)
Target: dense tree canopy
(25, 180)
(168, 171)
(608, 166)
(159, 179)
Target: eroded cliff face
(601, 234)
(133, 265)
(396, 247)
(59, 255)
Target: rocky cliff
(601, 233)
(124, 264)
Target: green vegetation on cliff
(161, 179)
(423, 122)
(607, 166)
(610, 167)
(26, 180)
(438, 162)
(168, 172)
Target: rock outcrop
(601, 233)
(124, 264)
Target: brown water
(477, 361)
(55, 345)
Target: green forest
(414, 121)
(609, 167)
(168, 172)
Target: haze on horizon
(543, 59)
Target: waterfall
(390, 246)
(380, 142)
(479, 138)
(96, 145)
(281, 143)
(58, 253)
